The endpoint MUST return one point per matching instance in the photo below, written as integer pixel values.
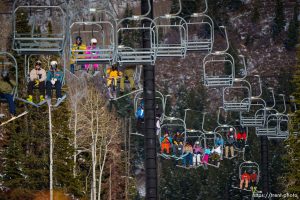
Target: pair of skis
(37, 105)
(33, 104)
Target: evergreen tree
(255, 11)
(217, 12)
(279, 20)
(291, 177)
(131, 38)
(63, 151)
(22, 25)
(233, 5)
(238, 66)
(293, 31)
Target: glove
(37, 82)
(53, 81)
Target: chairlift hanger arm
(260, 87)
(284, 103)
(245, 66)
(178, 12)
(218, 117)
(203, 120)
(273, 97)
(201, 13)
(292, 101)
(227, 40)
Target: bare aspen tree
(99, 131)
(76, 91)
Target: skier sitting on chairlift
(241, 138)
(79, 46)
(127, 75)
(93, 50)
(37, 79)
(216, 155)
(54, 79)
(166, 143)
(113, 74)
(219, 141)
(188, 152)
(198, 151)
(6, 88)
(229, 143)
(177, 138)
(253, 180)
(205, 158)
(139, 115)
(245, 177)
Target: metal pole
(149, 121)
(264, 164)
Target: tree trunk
(51, 151)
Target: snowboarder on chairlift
(37, 79)
(93, 51)
(6, 88)
(77, 46)
(54, 79)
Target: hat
(231, 129)
(38, 62)
(93, 40)
(53, 62)
(79, 38)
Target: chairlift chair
(104, 53)
(130, 51)
(33, 42)
(208, 140)
(246, 165)
(171, 36)
(193, 135)
(172, 124)
(200, 35)
(28, 62)
(249, 166)
(256, 117)
(160, 99)
(237, 98)
(276, 126)
(214, 78)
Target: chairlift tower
(149, 99)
